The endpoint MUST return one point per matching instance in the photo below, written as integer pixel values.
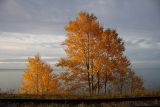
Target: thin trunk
(121, 88)
(88, 67)
(98, 82)
(37, 84)
(89, 84)
(47, 85)
(92, 79)
(105, 88)
(92, 86)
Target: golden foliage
(38, 78)
(95, 57)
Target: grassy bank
(78, 96)
(113, 103)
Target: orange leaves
(38, 78)
(94, 55)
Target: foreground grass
(113, 104)
(76, 96)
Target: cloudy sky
(28, 27)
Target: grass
(78, 96)
(121, 104)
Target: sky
(28, 27)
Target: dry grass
(113, 95)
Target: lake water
(150, 76)
(11, 78)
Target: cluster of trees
(38, 78)
(95, 63)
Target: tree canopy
(38, 78)
(95, 57)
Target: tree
(110, 48)
(134, 83)
(38, 78)
(95, 56)
(82, 35)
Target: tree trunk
(88, 66)
(92, 78)
(98, 86)
(105, 88)
(89, 84)
(92, 86)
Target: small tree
(38, 78)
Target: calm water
(150, 76)
(11, 79)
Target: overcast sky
(28, 27)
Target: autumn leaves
(38, 78)
(95, 63)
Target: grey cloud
(51, 16)
(51, 45)
(23, 59)
(32, 16)
(141, 43)
(141, 18)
